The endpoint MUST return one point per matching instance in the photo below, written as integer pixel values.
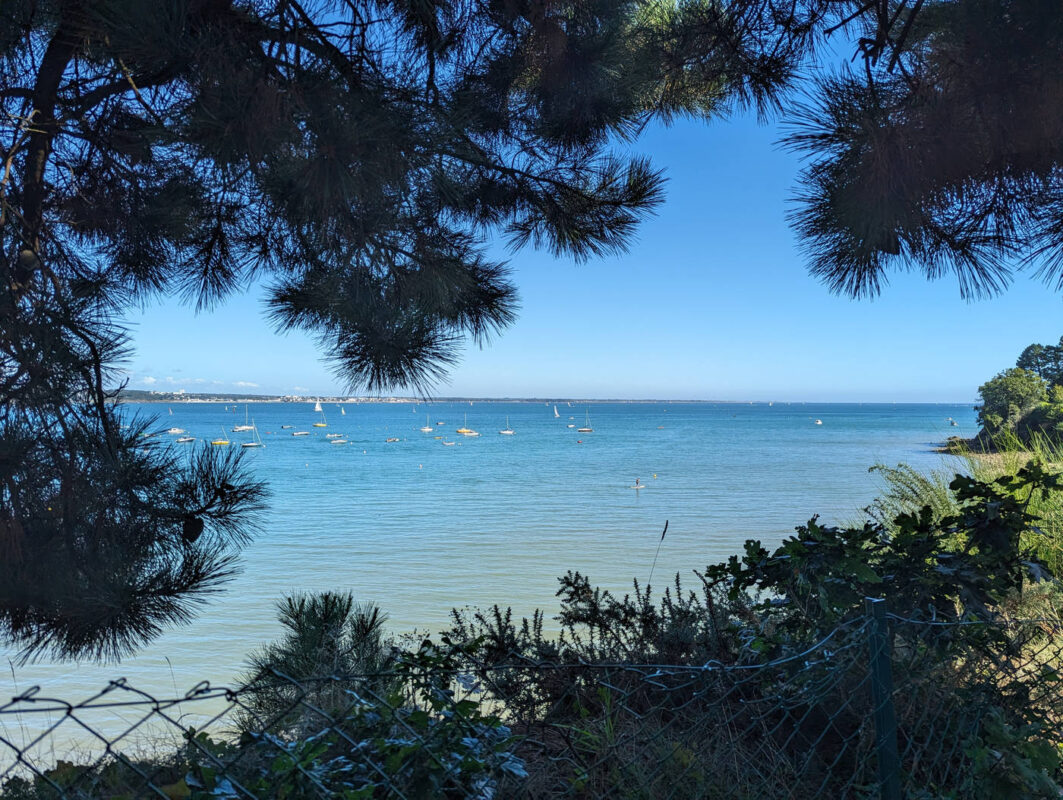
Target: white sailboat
(508, 430)
(343, 411)
(427, 424)
(556, 415)
(587, 428)
(247, 426)
(317, 406)
(256, 440)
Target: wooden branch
(56, 57)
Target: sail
(317, 406)
(555, 412)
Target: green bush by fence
(882, 707)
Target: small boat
(247, 426)
(338, 441)
(819, 422)
(333, 435)
(470, 433)
(570, 426)
(638, 486)
(343, 411)
(556, 415)
(300, 433)
(441, 423)
(465, 427)
(587, 428)
(508, 430)
(220, 441)
(954, 424)
(392, 439)
(256, 440)
(449, 444)
(170, 410)
(286, 427)
(317, 406)
(324, 422)
(182, 439)
(175, 431)
(427, 425)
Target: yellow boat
(465, 429)
(320, 425)
(220, 441)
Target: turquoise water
(420, 528)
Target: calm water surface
(419, 527)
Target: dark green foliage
(1023, 403)
(1009, 398)
(99, 555)
(327, 634)
(940, 151)
(335, 706)
(959, 566)
(1045, 360)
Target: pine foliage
(939, 150)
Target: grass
(903, 489)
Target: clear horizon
(399, 398)
(712, 301)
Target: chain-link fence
(881, 707)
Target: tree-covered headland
(1022, 406)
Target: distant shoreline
(142, 396)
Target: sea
(401, 518)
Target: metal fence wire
(881, 707)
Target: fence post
(889, 762)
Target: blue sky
(712, 301)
